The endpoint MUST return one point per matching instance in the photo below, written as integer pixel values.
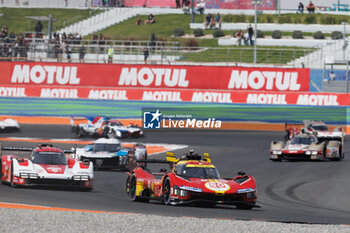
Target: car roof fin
(170, 157)
(206, 157)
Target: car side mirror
(241, 173)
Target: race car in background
(107, 153)
(9, 125)
(306, 147)
(47, 166)
(322, 132)
(191, 178)
(105, 127)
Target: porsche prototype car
(306, 147)
(107, 153)
(322, 132)
(106, 127)
(8, 125)
(192, 178)
(47, 166)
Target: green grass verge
(15, 19)
(246, 55)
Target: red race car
(192, 178)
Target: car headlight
(314, 152)
(29, 175)
(141, 132)
(308, 152)
(83, 178)
(119, 134)
(180, 192)
(277, 152)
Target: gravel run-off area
(27, 220)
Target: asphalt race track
(312, 192)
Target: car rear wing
(16, 148)
(170, 159)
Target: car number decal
(217, 186)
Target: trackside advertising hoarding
(154, 76)
(178, 95)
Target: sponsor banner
(178, 95)
(154, 76)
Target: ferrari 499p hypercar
(191, 178)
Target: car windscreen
(116, 123)
(51, 158)
(201, 172)
(301, 140)
(320, 127)
(107, 147)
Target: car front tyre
(166, 192)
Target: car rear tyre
(132, 190)
(11, 180)
(166, 191)
(113, 134)
(105, 132)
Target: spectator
(208, 21)
(110, 54)
(183, 3)
(332, 76)
(145, 54)
(239, 35)
(81, 54)
(38, 29)
(150, 19)
(218, 20)
(153, 41)
(59, 53)
(77, 38)
(201, 6)
(177, 3)
(12, 37)
(66, 3)
(250, 33)
(139, 21)
(4, 31)
(101, 42)
(69, 52)
(94, 41)
(311, 8)
(246, 37)
(64, 37)
(300, 8)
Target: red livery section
(154, 76)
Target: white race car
(9, 125)
(106, 127)
(48, 166)
(322, 132)
(107, 153)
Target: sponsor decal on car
(217, 186)
(191, 188)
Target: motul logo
(153, 77)
(326, 100)
(45, 74)
(265, 80)
(266, 99)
